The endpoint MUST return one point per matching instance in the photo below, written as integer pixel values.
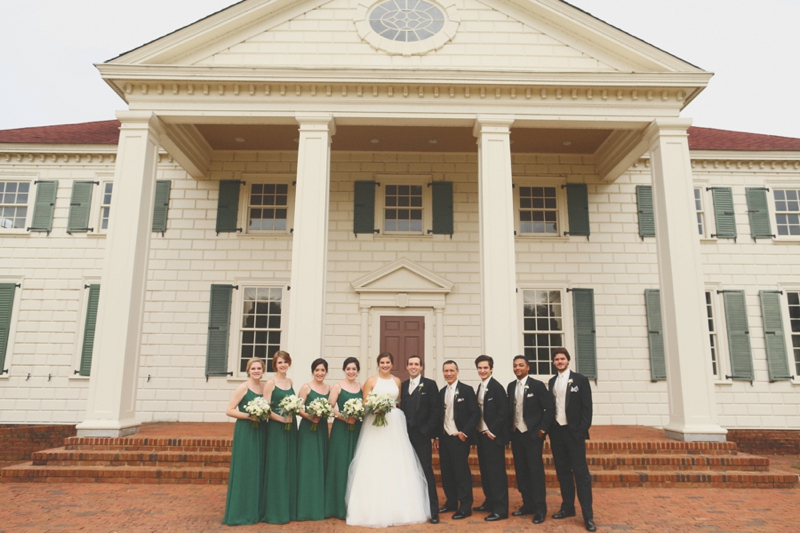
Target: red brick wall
(17, 443)
(766, 441)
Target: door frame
(431, 349)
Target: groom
(419, 400)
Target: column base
(696, 434)
(108, 428)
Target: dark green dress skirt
(312, 456)
(280, 482)
(341, 447)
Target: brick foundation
(766, 441)
(18, 442)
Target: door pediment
(402, 276)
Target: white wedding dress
(386, 485)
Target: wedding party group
(384, 433)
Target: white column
(432, 369)
(690, 384)
(111, 406)
(310, 242)
(497, 247)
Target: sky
(48, 49)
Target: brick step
(115, 458)
(146, 444)
(27, 472)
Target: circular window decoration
(407, 27)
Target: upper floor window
(700, 209)
(403, 209)
(105, 204)
(268, 207)
(538, 210)
(14, 204)
(406, 20)
(787, 211)
(543, 328)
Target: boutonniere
(455, 394)
(420, 386)
(569, 381)
(526, 387)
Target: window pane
(543, 328)
(264, 198)
(538, 204)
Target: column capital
(141, 120)
(316, 122)
(674, 127)
(492, 124)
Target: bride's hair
(384, 355)
(351, 360)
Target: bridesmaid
(245, 481)
(280, 482)
(342, 441)
(312, 449)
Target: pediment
(402, 276)
(487, 35)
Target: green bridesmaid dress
(312, 456)
(246, 478)
(341, 448)
(280, 482)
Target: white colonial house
(445, 178)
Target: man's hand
(436, 444)
(542, 433)
(462, 436)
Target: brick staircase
(639, 461)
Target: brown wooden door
(403, 336)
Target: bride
(384, 458)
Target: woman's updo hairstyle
(281, 354)
(351, 360)
(317, 362)
(384, 355)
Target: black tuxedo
(568, 443)
(423, 410)
(538, 413)
(492, 452)
(453, 453)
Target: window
(787, 212)
(712, 334)
(794, 326)
(105, 205)
(260, 332)
(538, 210)
(403, 209)
(14, 204)
(698, 206)
(268, 207)
(406, 20)
(543, 328)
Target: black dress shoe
(494, 517)
(522, 511)
(590, 525)
(482, 508)
(564, 514)
(538, 518)
(461, 515)
(447, 509)
(434, 519)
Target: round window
(406, 20)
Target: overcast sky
(48, 48)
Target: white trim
(12, 330)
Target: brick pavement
(90, 508)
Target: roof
(107, 132)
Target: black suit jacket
(423, 408)
(538, 406)
(495, 411)
(465, 411)
(578, 403)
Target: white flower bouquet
(378, 404)
(289, 407)
(353, 408)
(258, 408)
(320, 407)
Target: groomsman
(573, 398)
(492, 440)
(461, 417)
(419, 400)
(532, 413)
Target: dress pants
(494, 480)
(569, 456)
(530, 471)
(422, 447)
(456, 477)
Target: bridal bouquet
(353, 408)
(290, 406)
(378, 404)
(319, 407)
(259, 408)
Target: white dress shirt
(449, 411)
(561, 397)
(519, 399)
(412, 384)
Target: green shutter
(442, 192)
(647, 220)
(44, 206)
(658, 366)
(364, 207)
(578, 209)
(79, 207)
(774, 339)
(219, 319)
(723, 213)
(6, 307)
(88, 330)
(758, 213)
(228, 206)
(585, 341)
(738, 335)
(161, 206)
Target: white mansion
(437, 177)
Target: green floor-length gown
(312, 456)
(341, 447)
(246, 478)
(280, 482)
